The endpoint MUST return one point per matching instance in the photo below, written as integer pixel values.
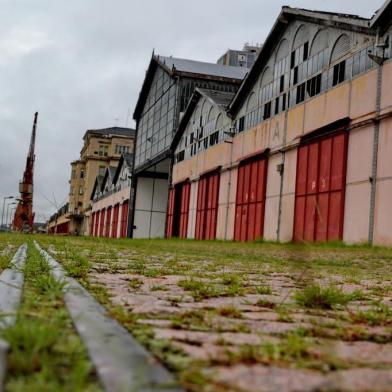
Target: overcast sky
(81, 64)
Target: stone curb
(121, 362)
(11, 285)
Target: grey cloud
(82, 63)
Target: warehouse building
(302, 152)
(168, 85)
(102, 148)
(110, 200)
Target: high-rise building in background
(240, 58)
(102, 148)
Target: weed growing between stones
(316, 296)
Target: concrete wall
(150, 208)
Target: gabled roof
(218, 98)
(383, 17)
(193, 67)
(113, 131)
(97, 185)
(125, 159)
(342, 21)
(109, 174)
(186, 68)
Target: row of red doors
(105, 223)
(319, 196)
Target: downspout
(373, 178)
(281, 172)
(229, 184)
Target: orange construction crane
(24, 216)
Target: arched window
(283, 50)
(320, 42)
(341, 48)
(252, 102)
(219, 122)
(301, 36)
(211, 114)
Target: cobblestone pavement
(248, 317)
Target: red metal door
(184, 210)
(170, 213)
(250, 200)
(115, 221)
(102, 223)
(96, 229)
(320, 189)
(124, 219)
(207, 207)
(108, 221)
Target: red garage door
(108, 221)
(320, 189)
(96, 224)
(170, 213)
(115, 220)
(207, 206)
(101, 223)
(250, 202)
(124, 219)
(178, 211)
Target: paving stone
(200, 338)
(363, 352)
(155, 323)
(121, 362)
(204, 352)
(360, 380)
(265, 327)
(259, 378)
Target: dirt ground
(247, 317)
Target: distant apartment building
(110, 200)
(166, 90)
(240, 58)
(102, 148)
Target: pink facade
(110, 215)
(353, 101)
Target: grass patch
(264, 290)
(4, 262)
(293, 347)
(380, 315)
(318, 297)
(199, 289)
(46, 353)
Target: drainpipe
(280, 169)
(229, 184)
(373, 178)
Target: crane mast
(24, 216)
